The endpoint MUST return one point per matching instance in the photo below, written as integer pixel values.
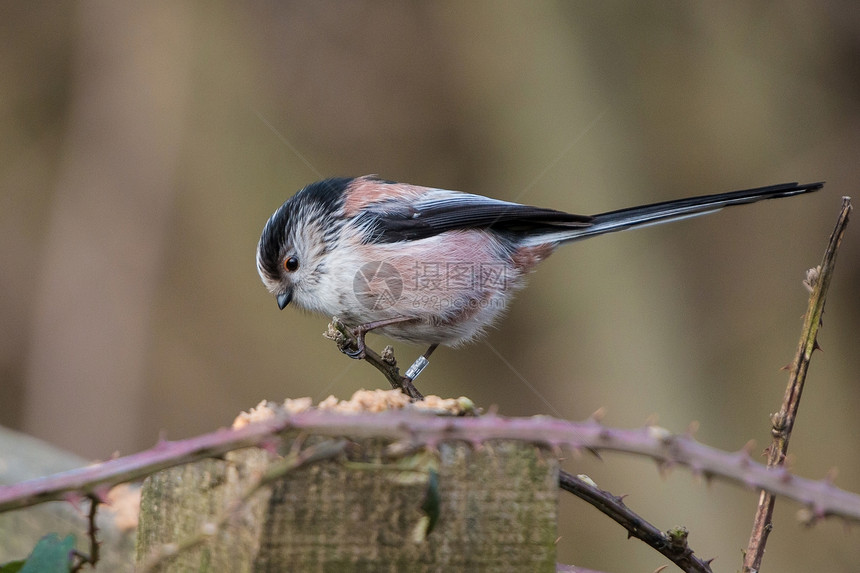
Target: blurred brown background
(144, 145)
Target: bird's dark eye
(291, 264)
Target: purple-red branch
(667, 449)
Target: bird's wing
(438, 211)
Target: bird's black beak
(284, 299)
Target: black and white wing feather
(439, 211)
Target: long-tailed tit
(431, 266)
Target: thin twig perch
(385, 363)
(783, 421)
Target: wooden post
(496, 508)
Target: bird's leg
(420, 364)
(430, 351)
(412, 373)
(362, 329)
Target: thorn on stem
(74, 498)
(598, 415)
(100, 494)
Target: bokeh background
(144, 145)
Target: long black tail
(673, 210)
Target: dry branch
(818, 280)
(671, 544)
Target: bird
(432, 266)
